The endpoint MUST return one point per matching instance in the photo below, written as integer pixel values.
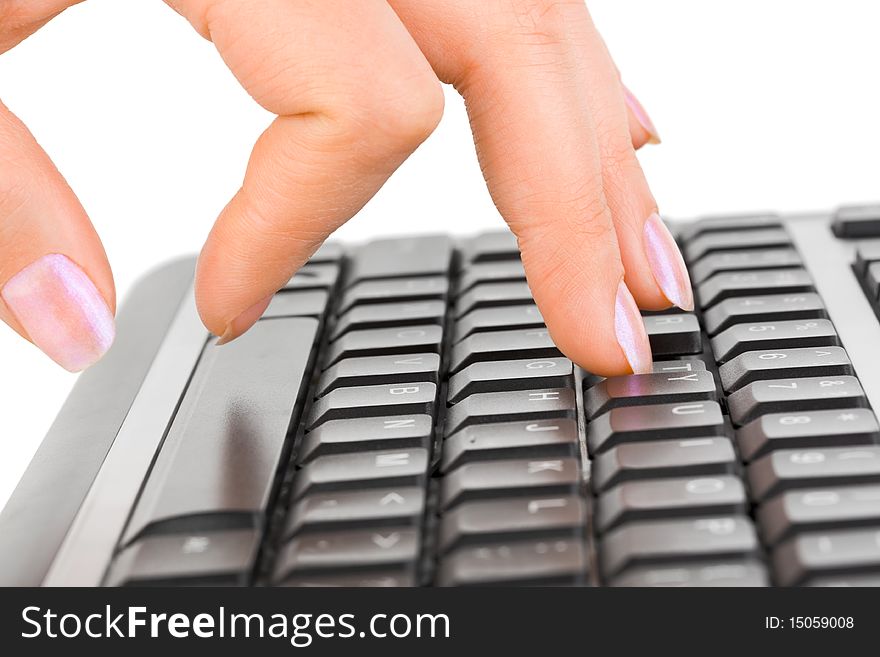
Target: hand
(356, 88)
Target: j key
(388, 315)
(366, 433)
(403, 506)
(670, 541)
(673, 335)
(836, 428)
(508, 406)
(769, 335)
(827, 553)
(818, 510)
(744, 283)
(857, 221)
(369, 401)
(554, 561)
(504, 375)
(492, 246)
(398, 340)
(789, 469)
(668, 498)
(723, 223)
(211, 558)
(725, 240)
(523, 439)
(507, 271)
(401, 257)
(499, 345)
(505, 317)
(395, 289)
(745, 573)
(370, 370)
(337, 472)
(373, 578)
(308, 303)
(655, 422)
(692, 457)
(793, 395)
(784, 364)
(513, 518)
(314, 277)
(535, 477)
(328, 252)
(763, 308)
(722, 261)
(669, 366)
(486, 295)
(866, 253)
(639, 389)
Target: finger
(21, 18)
(56, 288)
(354, 97)
(641, 128)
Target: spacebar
(217, 465)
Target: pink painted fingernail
(245, 320)
(641, 116)
(631, 334)
(666, 263)
(61, 310)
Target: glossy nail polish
(667, 264)
(245, 320)
(630, 330)
(641, 116)
(61, 311)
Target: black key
(835, 428)
(725, 240)
(512, 519)
(389, 315)
(534, 477)
(715, 224)
(669, 498)
(558, 561)
(215, 558)
(309, 303)
(401, 257)
(872, 280)
(509, 406)
(396, 289)
(791, 281)
(500, 345)
(217, 465)
(771, 335)
(506, 375)
(859, 580)
(372, 578)
(793, 395)
(655, 422)
(641, 389)
(492, 246)
(359, 509)
(673, 335)
(670, 541)
(524, 439)
(818, 510)
(327, 252)
(832, 553)
(683, 366)
(370, 401)
(866, 253)
(745, 573)
(314, 277)
(386, 469)
(763, 308)
(857, 221)
(788, 469)
(784, 364)
(488, 295)
(722, 261)
(371, 370)
(384, 341)
(506, 317)
(692, 457)
(366, 433)
(505, 271)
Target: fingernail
(666, 263)
(631, 334)
(641, 116)
(61, 310)
(245, 320)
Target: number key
(793, 395)
(770, 335)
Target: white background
(761, 105)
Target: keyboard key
(794, 395)
(866, 253)
(745, 283)
(655, 422)
(386, 469)
(726, 240)
(771, 335)
(372, 578)
(327, 252)
(390, 315)
(688, 365)
(375, 342)
(722, 261)
(372, 370)
(866, 580)
(506, 375)
(369, 401)
(309, 303)
(713, 574)
(826, 362)
(314, 277)
(857, 221)
(214, 558)
(788, 469)
(727, 224)
(487, 295)
(505, 271)
(492, 246)
(673, 334)
(524, 439)
(504, 317)
(217, 465)
(692, 457)
(501, 345)
(403, 506)
(509, 406)
(366, 433)
(827, 553)
(872, 281)
(641, 389)
(763, 308)
(423, 255)
(395, 289)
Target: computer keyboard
(401, 417)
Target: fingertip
(244, 321)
